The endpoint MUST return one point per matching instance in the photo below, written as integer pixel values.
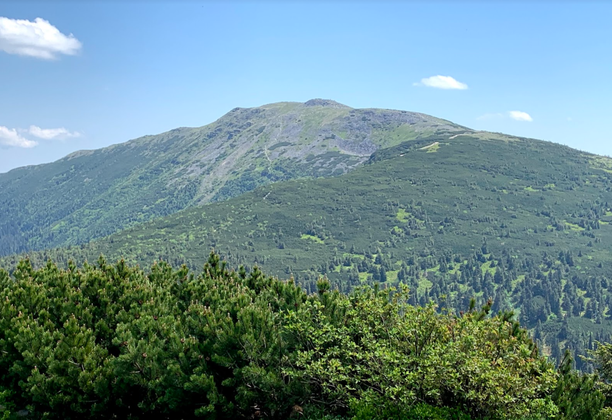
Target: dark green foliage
(577, 395)
(109, 341)
(601, 357)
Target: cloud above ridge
(51, 133)
(10, 137)
(520, 116)
(26, 138)
(37, 39)
(442, 82)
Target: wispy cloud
(37, 39)
(515, 115)
(10, 137)
(26, 137)
(442, 82)
(520, 116)
(52, 133)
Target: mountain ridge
(93, 193)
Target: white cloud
(37, 39)
(22, 137)
(51, 133)
(442, 82)
(520, 116)
(10, 137)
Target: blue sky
(90, 74)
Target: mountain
(525, 223)
(90, 194)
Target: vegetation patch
(312, 238)
(402, 215)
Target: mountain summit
(89, 194)
(325, 102)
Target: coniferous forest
(111, 341)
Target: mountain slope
(525, 223)
(90, 194)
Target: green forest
(522, 222)
(109, 340)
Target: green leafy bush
(374, 343)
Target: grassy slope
(448, 212)
(519, 195)
(91, 194)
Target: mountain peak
(158, 175)
(325, 102)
